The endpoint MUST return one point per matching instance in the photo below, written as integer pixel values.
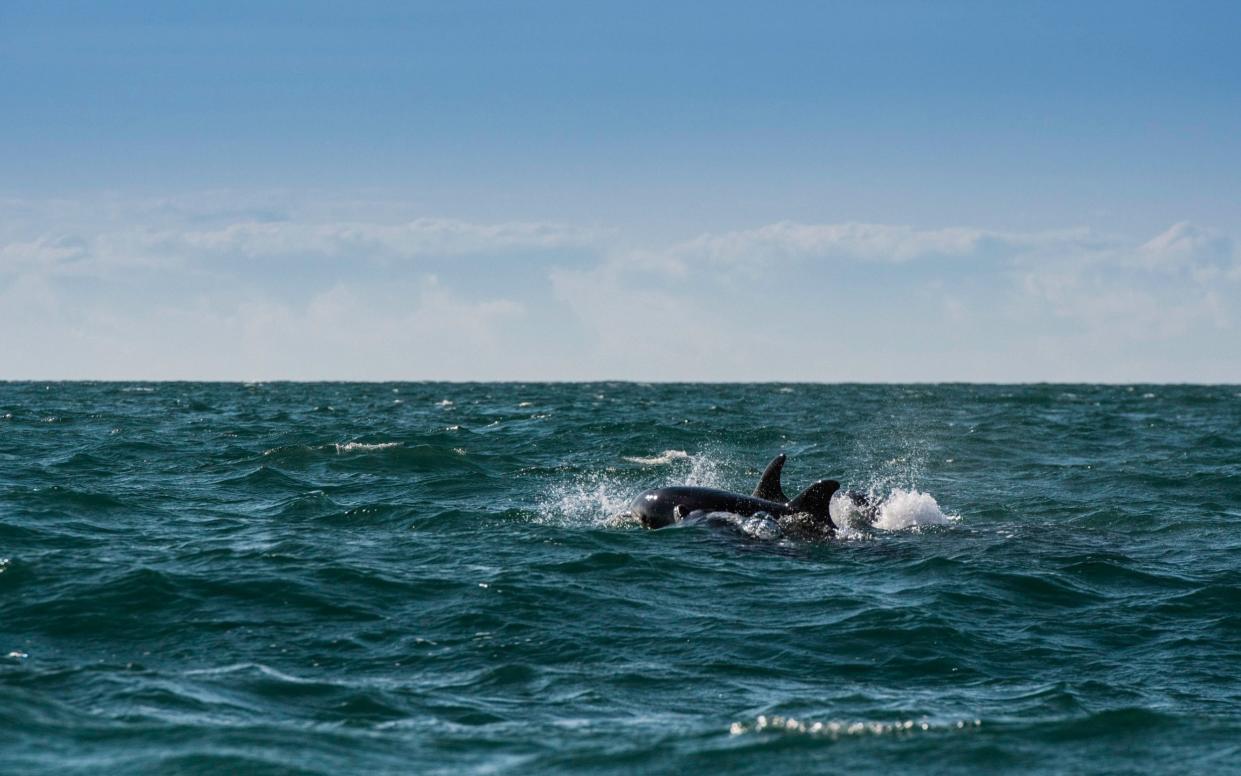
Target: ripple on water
(310, 577)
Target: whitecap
(776, 723)
(666, 457)
(364, 447)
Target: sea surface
(439, 578)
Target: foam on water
(666, 457)
(364, 447)
(837, 729)
(340, 448)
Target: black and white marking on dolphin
(662, 507)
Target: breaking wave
(840, 729)
(666, 457)
(364, 447)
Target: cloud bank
(216, 287)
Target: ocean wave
(776, 723)
(364, 447)
(339, 448)
(365, 596)
(666, 457)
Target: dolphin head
(655, 508)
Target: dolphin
(662, 507)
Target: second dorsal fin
(768, 487)
(816, 501)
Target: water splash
(704, 471)
(899, 510)
(761, 526)
(909, 509)
(593, 498)
(601, 498)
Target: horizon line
(624, 381)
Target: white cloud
(1203, 253)
(217, 289)
(420, 330)
(787, 242)
(422, 237)
(71, 238)
(41, 255)
(867, 301)
(170, 248)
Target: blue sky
(652, 191)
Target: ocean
(439, 578)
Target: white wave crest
(704, 470)
(364, 447)
(667, 456)
(840, 729)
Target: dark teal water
(428, 578)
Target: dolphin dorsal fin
(769, 486)
(816, 500)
